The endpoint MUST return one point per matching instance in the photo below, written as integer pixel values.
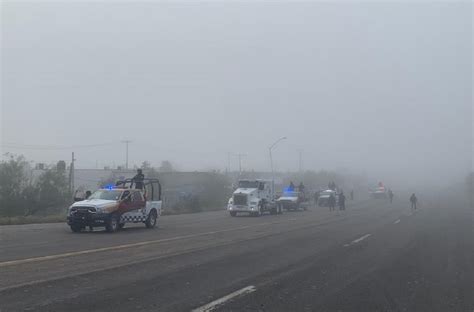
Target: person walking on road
(390, 195)
(342, 201)
(316, 198)
(332, 202)
(413, 201)
(301, 187)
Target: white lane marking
(214, 304)
(357, 240)
(125, 246)
(119, 247)
(398, 221)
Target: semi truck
(253, 197)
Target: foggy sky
(379, 88)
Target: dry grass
(32, 219)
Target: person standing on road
(316, 197)
(332, 202)
(390, 195)
(138, 179)
(342, 201)
(291, 187)
(413, 201)
(301, 187)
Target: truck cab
(253, 197)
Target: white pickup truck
(291, 200)
(113, 207)
(323, 200)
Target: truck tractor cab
(253, 197)
(114, 206)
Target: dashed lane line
(214, 304)
(356, 241)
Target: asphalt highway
(375, 256)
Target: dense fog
(382, 89)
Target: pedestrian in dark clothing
(291, 188)
(390, 195)
(301, 187)
(138, 179)
(342, 201)
(316, 197)
(88, 194)
(413, 201)
(332, 202)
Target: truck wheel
(121, 225)
(233, 213)
(151, 220)
(112, 225)
(273, 211)
(76, 228)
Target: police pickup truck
(291, 200)
(115, 206)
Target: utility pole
(240, 155)
(228, 163)
(240, 162)
(300, 152)
(71, 175)
(126, 152)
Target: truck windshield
(106, 194)
(248, 184)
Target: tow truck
(253, 197)
(114, 206)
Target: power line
(53, 147)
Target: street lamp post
(271, 161)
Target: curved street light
(271, 161)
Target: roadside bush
(21, 196)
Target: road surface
(375, 256)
